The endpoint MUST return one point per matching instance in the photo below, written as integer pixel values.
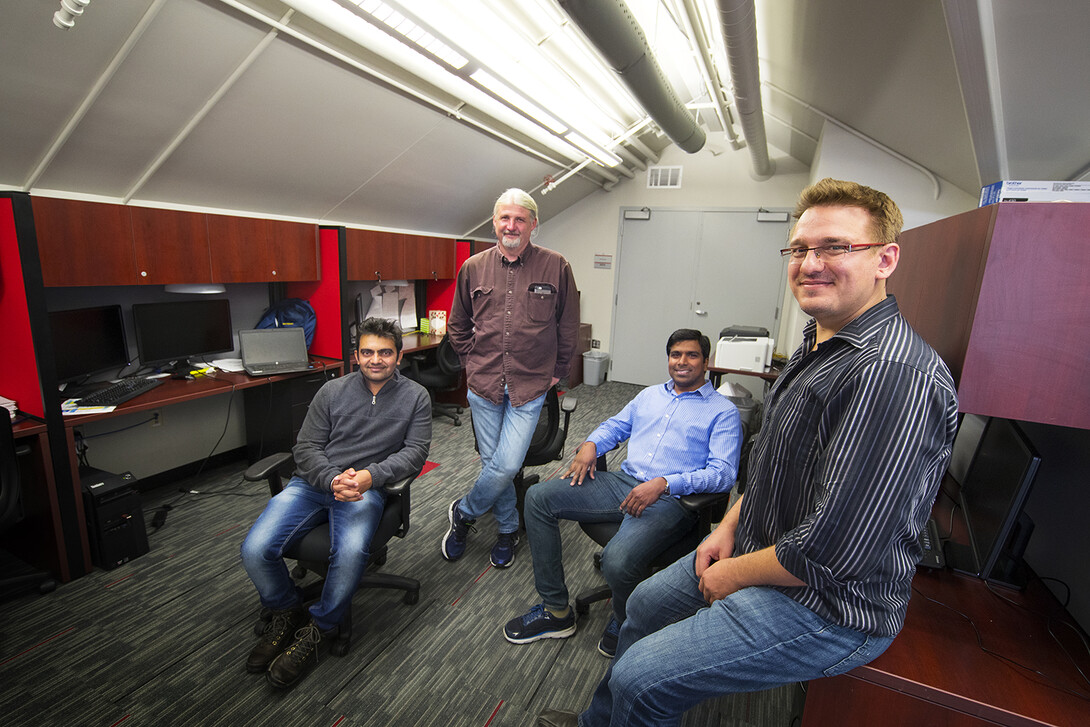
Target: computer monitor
(87, 341)
(995, 489)
(177, 331)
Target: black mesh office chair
(443, 375)
(311, 552)
(709, 508)
(16, 577)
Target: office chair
(444, 375)
(311, 552)
(709, 507)
(547, 444)
(16, 575)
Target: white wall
(842, 155)
(709, 181)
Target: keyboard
(932, 546)
(119, 393)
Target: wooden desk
(935, 673)
(768, 374)
(413, 342)
(172, 391)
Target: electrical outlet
(595, 343)
(156, 418)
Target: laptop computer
(268, 351)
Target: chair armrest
(701, 500)
(261, 469)
(568, 403)
(397, 487)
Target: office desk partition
(172, 391)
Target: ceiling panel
(161, 85)
(443, 177)
(45, 73)
(295, 135)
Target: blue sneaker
(539, 624)
(454, 542)
(503, 552)
(607, 645)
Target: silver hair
(517, 197)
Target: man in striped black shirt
(809, 574)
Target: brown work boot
(297, 659)
(275, 638)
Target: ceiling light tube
(516, 99)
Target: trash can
(595, 364)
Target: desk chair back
(443, 375)
(311, 552)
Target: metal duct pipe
(739, 21)
(617, 36)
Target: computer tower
(115, 518)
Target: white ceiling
(302, 135)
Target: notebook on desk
(268, 351)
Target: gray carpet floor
(162, 640)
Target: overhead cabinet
(376, 255)
(91, 243)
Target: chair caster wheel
(411, 597)
(582, 608)
(340, 647)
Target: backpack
(290, 312)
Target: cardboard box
(1017, 191)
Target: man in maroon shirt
(514, 323)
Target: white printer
(744, 348)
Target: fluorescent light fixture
(412, 32)
(602, 156)
(516, 99)
(196, 288)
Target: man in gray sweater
(361, 432)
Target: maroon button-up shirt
(515, 324)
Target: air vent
(664, 177)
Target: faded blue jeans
(290, 515)
(504, 432)
(626, 559)
(675, 650)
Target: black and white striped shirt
(856, 437)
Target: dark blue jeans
(626, 560)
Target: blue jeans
(296, 510)
(626, 559)
(503, 434)
(675, 650)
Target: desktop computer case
(115, 518)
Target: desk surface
(937, 660)
(175, 391)
(412, 342)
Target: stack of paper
(9, 405)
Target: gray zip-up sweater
(388, 433)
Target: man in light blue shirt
(683, 438)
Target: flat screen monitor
(997, 483)
(177, 331)
(87, 341)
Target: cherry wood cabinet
(1000, 292)
(429, 258)
(248, 250)
(374, 255)
(91, 243)
(84, 243)
(171, 246)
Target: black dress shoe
(557, 718)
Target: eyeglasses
(827, 252)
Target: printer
(746, 348)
